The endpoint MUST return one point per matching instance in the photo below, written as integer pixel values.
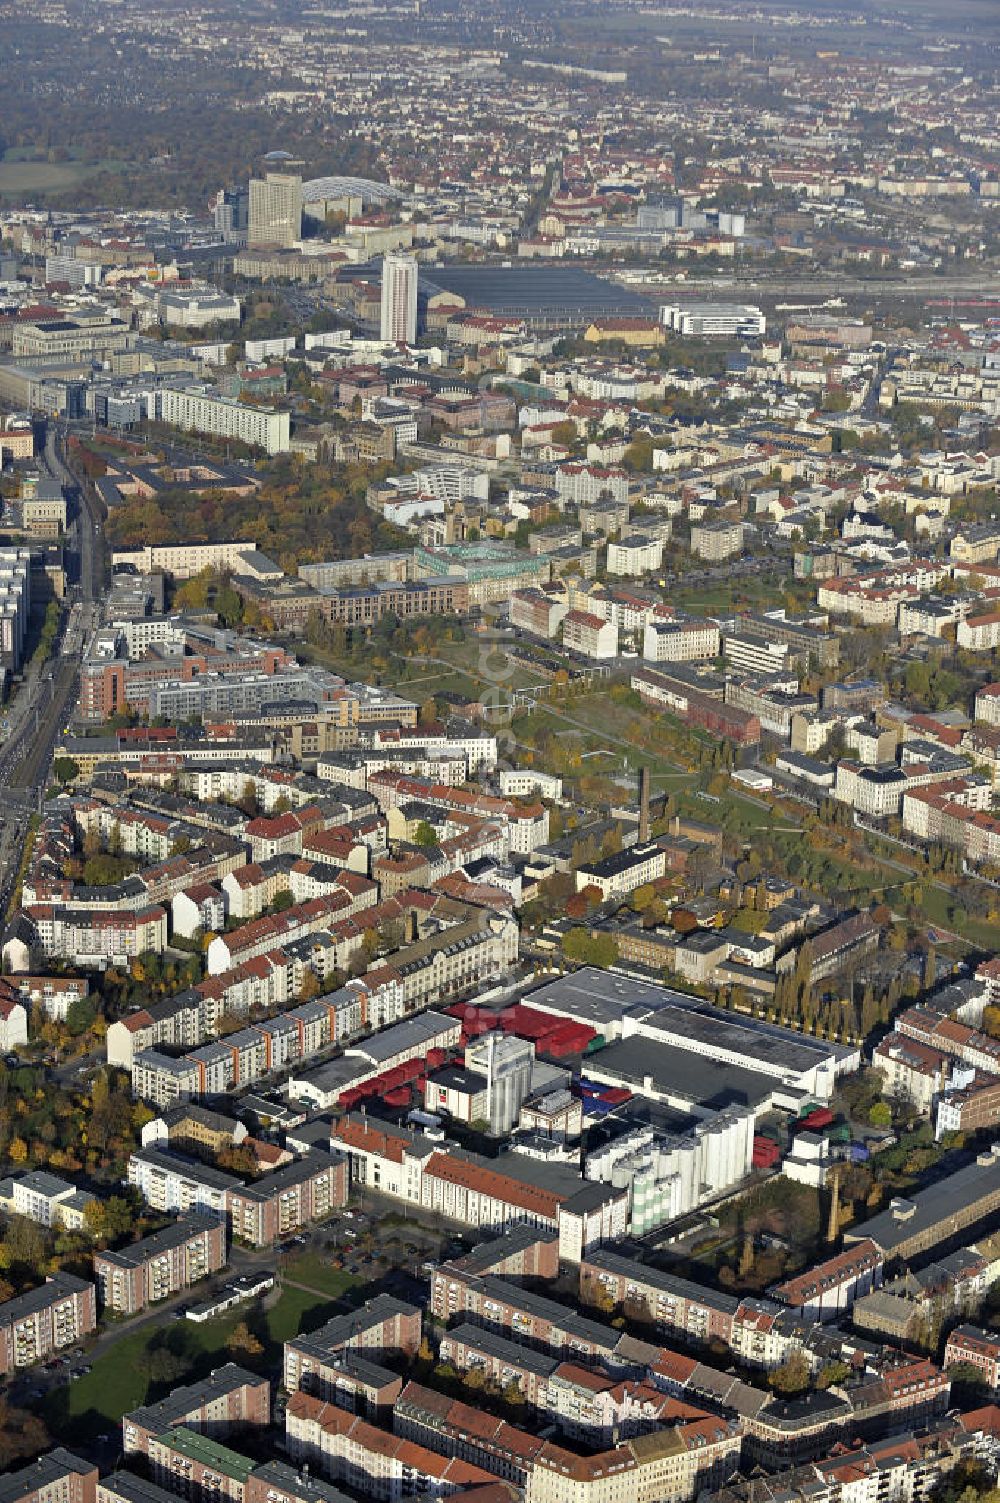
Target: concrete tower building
(231, 212)
(506, 1064)
(399, 299)
(275, 218)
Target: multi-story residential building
(584, 484)
(907, 1467)
(669, 1463)
(399, 299)
(975, 543)
(129, 1487)
(589, 635)
(308, 1190)
(15, 607)
(912, 1070)
(198, 1466)
(697, 1313)
(229, 1399)
(371, 1461)
(987, 706)
(979, 633)
(824, 1291)
(472, 1348)
(56, 1477)
(681, 641)
(60, 1313)
(46, 1199)
(259, 1214)
(147, 1271)
(88, 937)
(716, 541)
(199, 411)
(313, 1361)
(974, 1347)
(635, 555)
(624, 871)
(539, 611)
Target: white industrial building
(714, 320)
(668, 1174)
(506, 1064)
(693, 1036)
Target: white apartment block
(101, 937)
(979, 633)
(224, 417)
(680, 641)
(988, 704)
(635, 555)
(717, 541)
(182, 560)
(754, 654)
(518, 782)
(622, 873)
(589, 635)
(582, 484)
(39, 1196)
(15, 606)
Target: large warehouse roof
(534, 291)
(319, 189)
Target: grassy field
(120, 1380)
(979, 932)
(724, 596)
(19, 178)
(607, 733)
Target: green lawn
(978, 932)
(727, 595)
(20, 177)
(119, 1379)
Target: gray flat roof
(678, 1072)
(604, 999)
(532, 291)
(933, 1205)
(39, 1475)
(403, 1035)
(605, 1257)
(305, 1486)
(171, 1410)
(503, 1349)
(158, 1242)
(338, 1331)
(132, 1488)
(486, 1255)
(561, 1316)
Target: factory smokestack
(643, 805)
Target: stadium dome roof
(319, 188)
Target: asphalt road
(36, 714)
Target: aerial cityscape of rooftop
(500, 751)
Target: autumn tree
(792, 1376)
(242, 1340)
